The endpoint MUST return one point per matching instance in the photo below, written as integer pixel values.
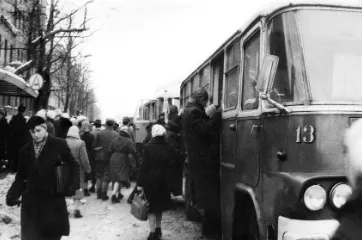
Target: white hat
(51, 114)
(65, 115)
(42, 113)
(73, 120)
(158, 130)
(58, 112)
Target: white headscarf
(158, 130)
(73, 132)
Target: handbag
(63, 178)
(140, 207)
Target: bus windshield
(332, 43)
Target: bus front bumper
(295, 229)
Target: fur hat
(51, 114)
(35, 121)
(42, 113)
(158, 130)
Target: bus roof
(271, 8)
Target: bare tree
(43, 37)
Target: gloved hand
(12, 203)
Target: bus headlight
(339, 194)
(315, 198)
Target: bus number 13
(306, 134)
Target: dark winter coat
(62, 126)
(88, 139)
(50, 127)
(18, 134)
(43, 213)
(350, 219)
(4, 136)
(199, 131)
(158, 156)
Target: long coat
(79, 152)
(199, 131)
(119, 150)
(158, 156)
(18, 137)
(43, 213)
(4, 136)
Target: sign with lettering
(36, 81)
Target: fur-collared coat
(43, 213)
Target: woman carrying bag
(44, 214)
(79, 152)
(153, 177)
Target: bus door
(248, 122)
(229, 133)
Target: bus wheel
(190, 210)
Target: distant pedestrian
(153, 177)
(43, 213)
(100, 146)
(19, 136)
(50, 122)
(4, 137)
(161, 119)
(88, 138)
(79, 152)
(97, 126)
(121, 150)
(64, 125)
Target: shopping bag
(63, 178)
(140, 206)
(79, 194)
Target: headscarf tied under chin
(158, 130)
(86, 127)
(73, 132)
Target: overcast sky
(144, 45)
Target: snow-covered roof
(17, 81)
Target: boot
(152, 236)
(86, 193)
(158, 233)
(99, 195)
(105, 196)
(120, 196)
(77, 214)
(114, 199)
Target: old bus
(149, 110)
(289, 85)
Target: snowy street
(102, 220)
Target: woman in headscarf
(153, 177)
(78, 149)
(88, 138)
(121, 151)
(42, 209)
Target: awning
(17, 81)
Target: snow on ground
(104, 220)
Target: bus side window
(251, 71)
(232, 76)
(284, 43)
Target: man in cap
(100, 146)
(18, 135)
